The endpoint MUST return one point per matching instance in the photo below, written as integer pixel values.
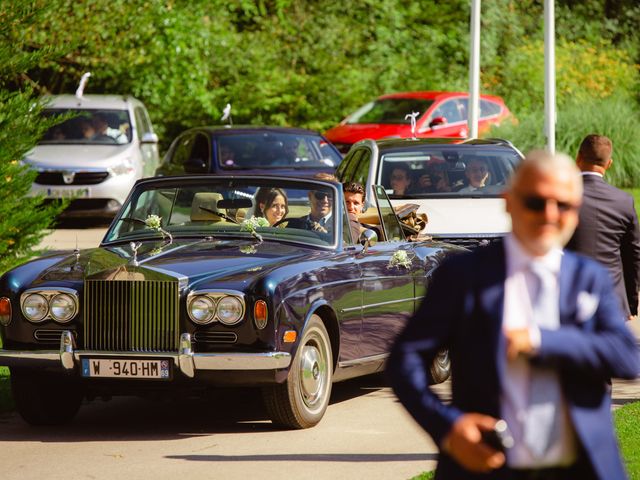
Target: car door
(388, 270)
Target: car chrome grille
(215, 337)
(139, 316)
(79, 178)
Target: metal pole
(549, 75)
(474, 70)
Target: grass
(636, 197)
(627, 424)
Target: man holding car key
(534, 333)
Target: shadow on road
(232, 410)
(312, 457)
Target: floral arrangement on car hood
(400, 258)
(250, 224)
(154, 222)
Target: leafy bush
(615, 117)
(22, 219)
(584, 72)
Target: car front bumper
(185, 359)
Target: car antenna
(412, 116)
(226, 114)
(83, 83)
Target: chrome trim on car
(363, 361)
(184, 359)
(379, 304)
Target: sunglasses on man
(538, 204)
(318, 195)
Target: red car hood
(351, 133)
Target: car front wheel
(301, 401)
(43, 399)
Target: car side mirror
(149, 137)
(195, 165)
(438, 121)
(368, 238)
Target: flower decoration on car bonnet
(154, 222)
(400, 258)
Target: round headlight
(35, 307)
(62, 307)
(201, 310)
(230, 310)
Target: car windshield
(255, 209)
(275, 150)
(448, 171)
(88, 127)
(389, 110)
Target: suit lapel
(493, 272)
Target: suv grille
(139, 316)
(80, 178)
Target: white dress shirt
(518, 313)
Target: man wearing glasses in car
(319, 217)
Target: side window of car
(200, 156)
(143, 125)
(181, 153)
(489, 109)
(392, 229)
(449, 110)
(355, 166)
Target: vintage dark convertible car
(191, 288)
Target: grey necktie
(544, 400)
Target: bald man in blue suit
(534, 333)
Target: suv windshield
(448, 171)
(274, 209)
(93, 127)
(389, 110)
(275, 150)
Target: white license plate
(126, 368)
(68, 192)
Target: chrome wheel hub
(312, 374)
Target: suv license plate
(68, 192)
(125, 368)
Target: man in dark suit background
(608, 225)
(534, 333)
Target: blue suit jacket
(463, 311)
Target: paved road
(365, 433)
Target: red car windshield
(389, 110)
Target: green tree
(23, 219)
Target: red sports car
(439, 114)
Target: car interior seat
(204, 205)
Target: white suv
(95, 156)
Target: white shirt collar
(596, 174)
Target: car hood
(351, 133)
(190, 261)
(464, 217)
(44, 157)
